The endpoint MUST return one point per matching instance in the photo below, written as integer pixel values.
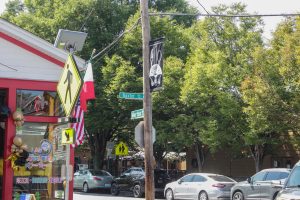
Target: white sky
(253, 6)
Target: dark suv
(134, 180)
(291, 189)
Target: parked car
(263, 185)
(88, 179)
(202, 186)
(134, 180)
(291, 189)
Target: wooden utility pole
(149, 176)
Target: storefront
(29, 71)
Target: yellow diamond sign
(69, 85)
(121, 149)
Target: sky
(253, 6)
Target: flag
(79, 126)
(88, 90)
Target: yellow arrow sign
(69, 86)
(121, 149)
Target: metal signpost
(70, 83)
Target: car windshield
(220, 178)
(294, 179)
(99, 173)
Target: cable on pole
(117, 39)
(225, 15)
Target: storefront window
(39, 103)
(43, 173)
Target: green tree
(109, 117)
(219, 61)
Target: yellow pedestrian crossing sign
(121, 149)
(69, 85)
(67, 136)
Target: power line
(86, 19)
(112, 44)
(107, 48)
(225, 15)
(203, 7)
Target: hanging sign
(69, 85)
(156, 64)
(67, 136)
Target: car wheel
(85, 187)
(238, 196)
(114, 189)
(203, 196)
(169, 194)
(137, 192)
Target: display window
(40, 170)
(39, 103)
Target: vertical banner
(156, 64)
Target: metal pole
(67, 172)
(149, 176)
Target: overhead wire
(224, 15)
(8, 66)
(86, 19)
(113, 43)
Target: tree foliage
(223, 87)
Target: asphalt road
(104, 196)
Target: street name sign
(139, 134)
(134, 96)
(69, 85)
(137, 114)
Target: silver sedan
(92, 179)
(202, 186)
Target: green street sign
(137, 114)
(134, 96)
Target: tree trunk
(200, 155)
(97, 143)
(100, 146)
(257, 152)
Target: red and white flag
(79, 126)
(88, 89)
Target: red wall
(12, 85)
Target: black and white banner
(156, 64)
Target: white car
(202, 186)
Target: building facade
(30, 69)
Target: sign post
(149, 181)
(68, 89)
